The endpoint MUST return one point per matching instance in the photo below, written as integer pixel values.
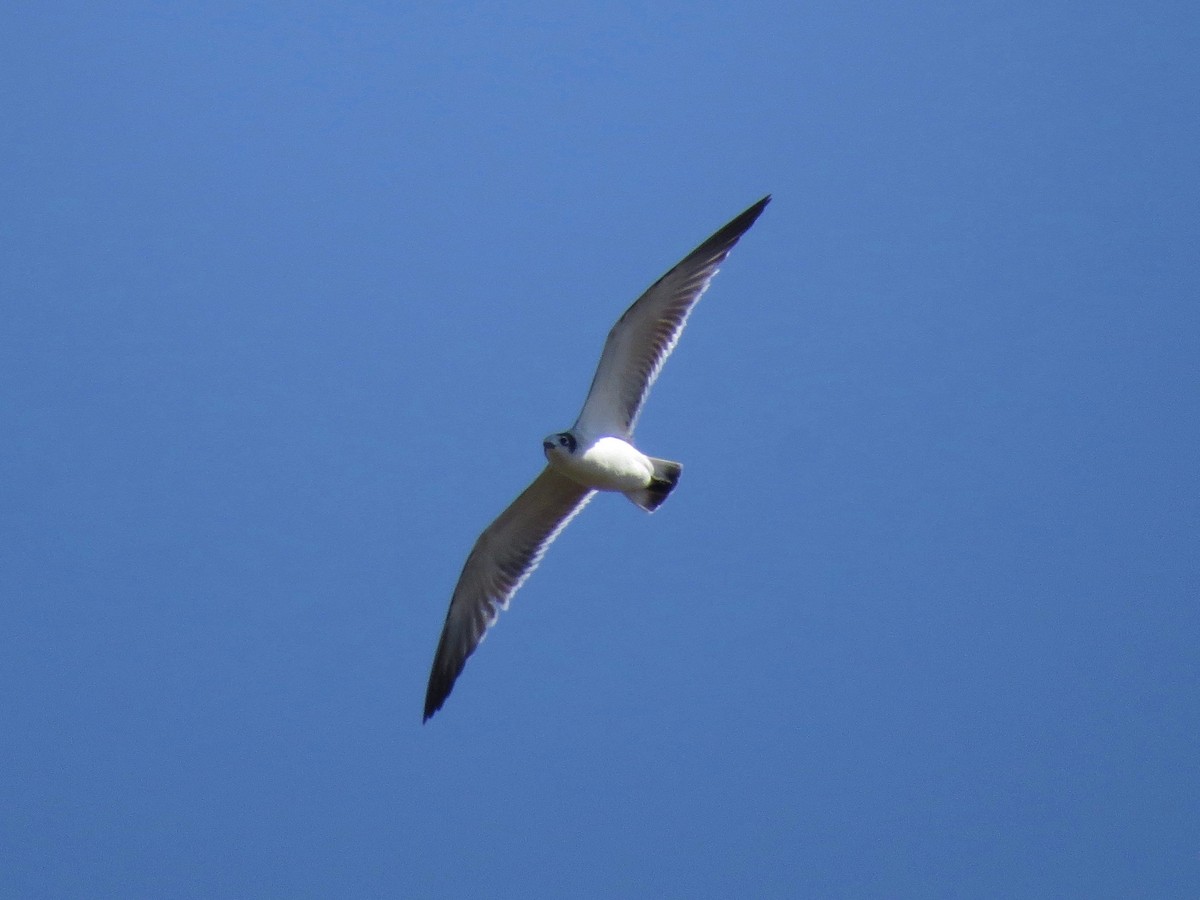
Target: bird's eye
(562, 440)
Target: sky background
(292, 292)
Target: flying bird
(596, 454)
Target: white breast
(607, 464)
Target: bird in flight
(596, 454)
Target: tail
(662, 482)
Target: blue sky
(293, 292)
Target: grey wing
(645, 335)
(504, 556)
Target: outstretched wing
(504, 556)
(645, 335)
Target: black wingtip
(727, 235)
(430, 709)
(439, 686)
(435, 697)
(442, 677)
(747, 218)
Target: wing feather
(503, 557)
(645, 335)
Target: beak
(547, 445)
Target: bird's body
(596, 454)
(603, 464)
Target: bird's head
(563, 442)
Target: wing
(504, 556)
(645, 335)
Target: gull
(596, 454)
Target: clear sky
(292, 292)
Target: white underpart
(606, 464)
